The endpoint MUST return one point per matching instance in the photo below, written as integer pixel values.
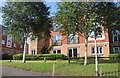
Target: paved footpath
(9, 71)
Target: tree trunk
(25, 48)
(86, 50)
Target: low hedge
(39, 56)
(17, 57)
(114, 56)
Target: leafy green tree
(27, 19)
(109, 14)
(77, 17)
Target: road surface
(9, 71)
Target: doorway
(72, 52)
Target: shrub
(39, 56)
(114, 56)
(17, 57)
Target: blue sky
(52, 5)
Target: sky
(52, 5)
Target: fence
(107, 67)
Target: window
(3, 32)
(72, 39)
(57, 39)
(116, 49)
(56, 26)
(33, 52)
(14, 45)
(99, 32)
(56, 51)
(72, 52)
(3, 42)
(116, 35)
(99, 50)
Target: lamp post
(96, 59)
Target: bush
(17, 57)
(39, 56)
(7, 57)
(114, 56)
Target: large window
(116, 49)
(116, 35)
(99, 50)
(57, 39)
(72, 39)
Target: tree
(25, 19)
(77, 18)
(109, 14)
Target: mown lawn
(63, 68)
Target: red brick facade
(104, 45)
(13, 48)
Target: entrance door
(72, 52)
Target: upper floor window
(72, 39)
(99, 32)
(57, 39)
(99, 50)
(116, 35)
(3, 42)
(116, 49)
(3, 32)
(56, 26)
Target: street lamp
(96, 59)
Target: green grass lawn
(63, 68)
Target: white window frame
(98, 50)
(114, 51)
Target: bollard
(10, 60)
(53, 71)
(100, 70)
(45, 59)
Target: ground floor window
(56, 51)
(33, 52)
(116, 49)
(99, 50)
(72, 52)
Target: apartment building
(8, 46)
(108, 42)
